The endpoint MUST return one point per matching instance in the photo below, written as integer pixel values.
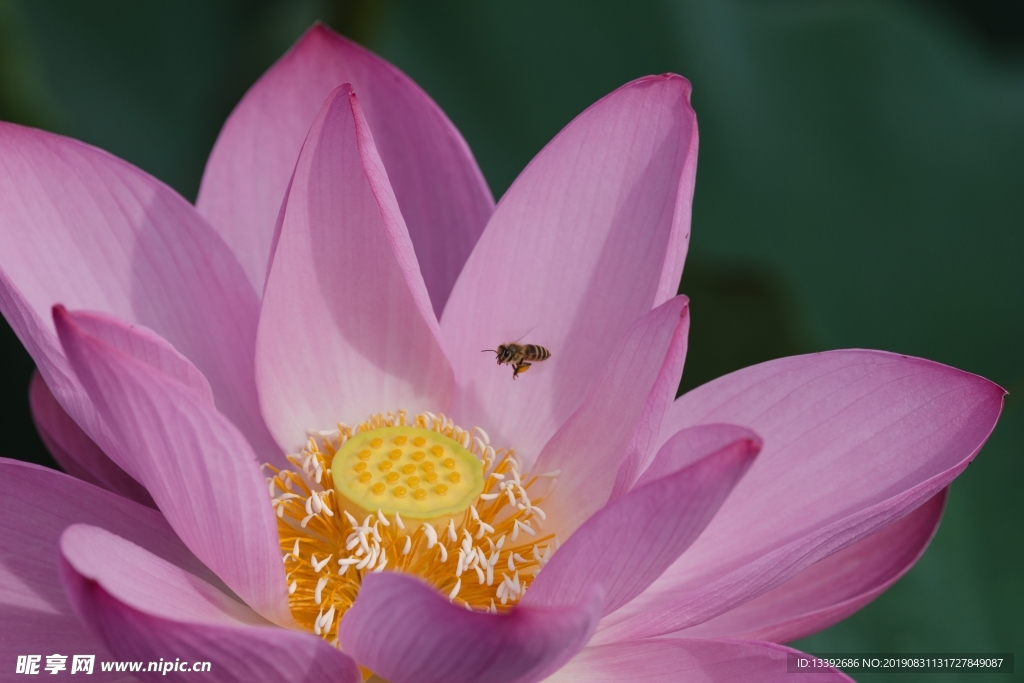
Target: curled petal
(590, 446)
(147, 582)
(644, 444)
(199, 469)
(37, 504)
(143, 344)
(406, 632)
(628, 543)
(144, 609)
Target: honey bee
(519, 356)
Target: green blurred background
(861, 184)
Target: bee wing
(529, 331)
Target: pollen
(477, 538)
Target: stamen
(459, 535)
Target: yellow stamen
(479, 546)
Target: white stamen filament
(307, 493)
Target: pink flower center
(426, 497)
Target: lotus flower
(320, 313)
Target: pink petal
(143, 344)
(591, 236)
(90, 231)
(199, 469)
(139, 578)
(628, 543)
(643, 446)
(144, 609)
(832, 589)
(672, 661)
(854, 440)
(690, 445)
(405, 632)
(439, 188)
(346, 328)
(589, 447)
(36, 505)
(76, 453)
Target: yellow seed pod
(375, 485)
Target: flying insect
(520, 356)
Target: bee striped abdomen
(534, 352)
